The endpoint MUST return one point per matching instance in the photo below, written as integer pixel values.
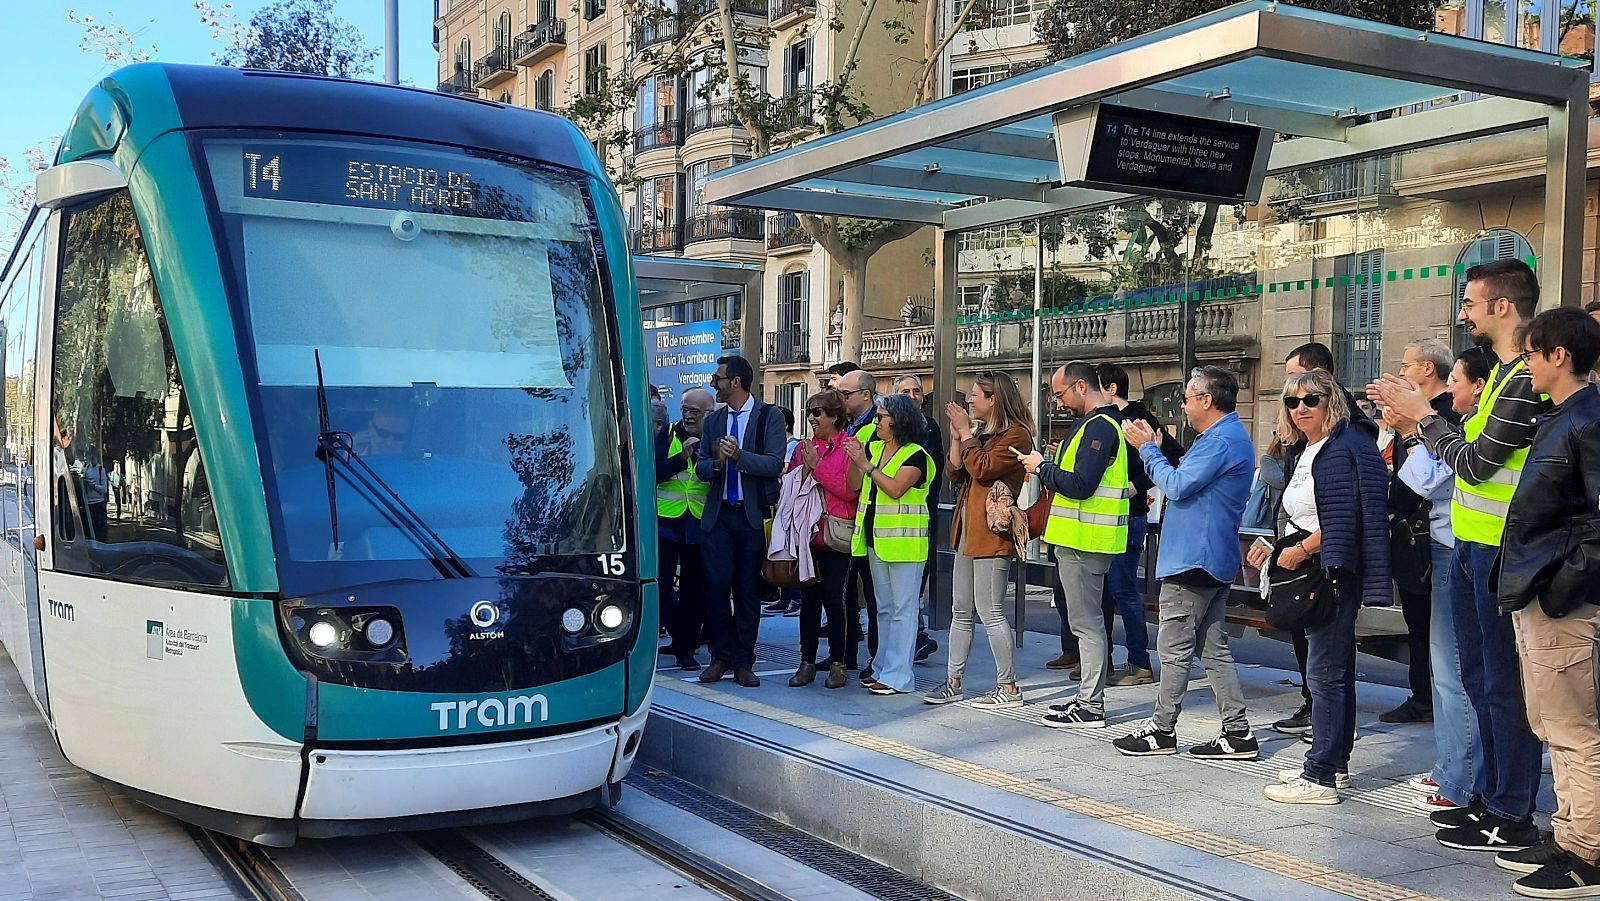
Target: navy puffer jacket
(1352, 489)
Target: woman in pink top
(823, 456)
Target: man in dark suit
(740, 458)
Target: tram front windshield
(446, 313)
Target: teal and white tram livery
(319, 475)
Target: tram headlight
(323, 634)
(611, 617)
(379, 632)
(573, 620)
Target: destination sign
(378, 177)
(1162, 154)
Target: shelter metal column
(945, 335)
(1567, 144)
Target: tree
(708, 36)
(1168, 240)
(292, 36)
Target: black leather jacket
(1551, 549)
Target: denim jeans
(1509, 779)
(1331, 676)
(1458, 750)
(898, 590)
(732, 552)
(1122, 596)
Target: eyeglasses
(719, 378)
(856, 391)
(884, 414)
(1196, 394)
(815, 412)
(1487, 304)
(1310, 400)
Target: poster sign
(683, 357)
(1137, 151)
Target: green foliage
(301, 36)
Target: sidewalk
(1374, 845)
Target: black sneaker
(1298, 724)
(1568, 877)
(776, 608)
(925, 647)
(793, 609)
(1409, 711)
(1530, 860)
(1460, 816)
(1147, 741)
(1074, 717)
(1229, 746)
(1490, 833)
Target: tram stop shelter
(666, 282)
(1316, 88)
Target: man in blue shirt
(1198, 560)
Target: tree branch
(925, 79)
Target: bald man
(684, 610)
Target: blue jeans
(1508, 781)
(1331, 676)
(1122, 596)
(732, 552)
(1458, 751)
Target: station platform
(992, 805)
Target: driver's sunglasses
(1310, 400)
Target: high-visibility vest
(899, 527)
(681, 493)
(1097, 524)
(867, 434)
(1478, 512)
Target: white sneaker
(1300, 791)
(1423, 784)
(1287, 776)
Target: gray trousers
(1192, 619)
(978, 588)
(1083, 582)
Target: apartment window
(544, 90)
(967, 79)
(1358, 331)
(502, 31)
(1001, 13)
(797, 68)
(593, 9)
(463, 59)
(794, 300)
(594, 69)
(657, 122)
(546, 10)
(658, 218)
(1523, 24)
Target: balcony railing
(538, 41)
(648, 33)
(748, 7)
(459, 83)
(667, 133)
(778, 9)
(711, 115)
(494, 68)
(653, 240)
(784, 230)
(789, 346)
(794, 115)
(744, 225)
(1090, 334)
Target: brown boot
(837, 676)
(714, 672)
(805, 675)
(1065, 661)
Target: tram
(323, 415)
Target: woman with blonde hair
(985, 448)
(1333, 517)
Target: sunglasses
(1310, 400)
(815, 412)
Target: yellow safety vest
(681, 493)
(899, 527)
(868, 434)
(1099, 523)
(1478, 512)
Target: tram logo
(492, 712)
(155, 639)
(485, 615)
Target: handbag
(1299, 599)
(1039, 513)
(784, 574)
(838, 533)
(1410, 554)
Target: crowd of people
(1467, 486)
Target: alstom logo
(513, 711)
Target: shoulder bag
(1299, 599)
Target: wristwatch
(1430, 418)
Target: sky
(47, 75)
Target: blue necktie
(733, 477)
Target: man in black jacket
(1549, 562)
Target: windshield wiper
(335, 448)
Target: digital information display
(1162, 154)
(385, 179)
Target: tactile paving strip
(1359, 887)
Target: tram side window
(130, 499)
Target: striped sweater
(1510, 426)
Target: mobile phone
(1015, 452)
(1263, 544)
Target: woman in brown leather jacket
(980, 454)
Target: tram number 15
(256, 172)
(611, 565)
